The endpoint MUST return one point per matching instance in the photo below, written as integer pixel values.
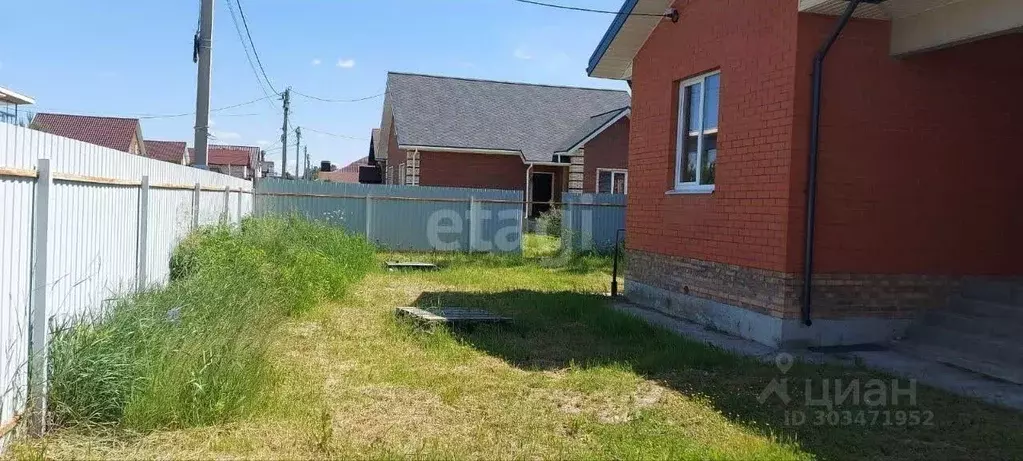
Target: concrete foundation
(768, 330)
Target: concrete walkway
(934, 374)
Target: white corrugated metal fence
(82, 225)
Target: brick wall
(744, 222)
(610, 149)
(921, 161)
(458, 169)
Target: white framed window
(696, 147)
(403, 172)
(612, 181)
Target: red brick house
(118, 133)
(919, 170)
(546, 140)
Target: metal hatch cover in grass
(450, 315)
(411, 265)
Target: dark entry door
(543, 191)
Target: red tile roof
(349, 173)
(113, 132)
(168, 151)
(227, 155)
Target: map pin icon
(784, 361)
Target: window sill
(691, 190)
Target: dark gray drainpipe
(815, 136)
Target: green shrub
(549, 222)
(195, 351)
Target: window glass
(709, 158)
(693, 106)
(619, 183)
(710, 111)
(604, 182)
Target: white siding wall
(93, 254)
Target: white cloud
(225, 135)
(521, 53)
(317, 62)
(346, 63)
(262, 142)
(212, 122)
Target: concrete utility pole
(286, 97)
(306, 172)
(204, 53)
(298, 148)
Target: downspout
(811, 179)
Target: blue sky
(131, 57)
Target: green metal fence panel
(412, 218)
(590, 222)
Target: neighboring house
(266, 167)
(919, 178)
(546, 140)
(349, 173)
(237, 161)
(168, 151)
(123, 134)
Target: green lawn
(569, 378)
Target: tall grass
(195, 351)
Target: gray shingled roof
(481, 114)
(588, 127)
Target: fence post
(141, 257)
(38, 319)
(369, 217)
(473, 221)
(226, 215)
(240, 193)
(195, 205)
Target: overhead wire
(255, 53)
(589, 10)
(317, 98)
(252, 65)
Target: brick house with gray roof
(546, 140)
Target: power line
(334, 135)
(245, 48)
(590, 10)
(150, 116)
(317, 98)
(255, 53)
(184, 114)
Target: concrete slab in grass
(450, 315)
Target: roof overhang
(923, 25)
(595, 133)
(613, 57)
(464, 150)
(10, 97)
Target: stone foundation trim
(765, 329)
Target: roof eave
(11, 97)
(634, 23)
(575, 147)
(612, 31)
